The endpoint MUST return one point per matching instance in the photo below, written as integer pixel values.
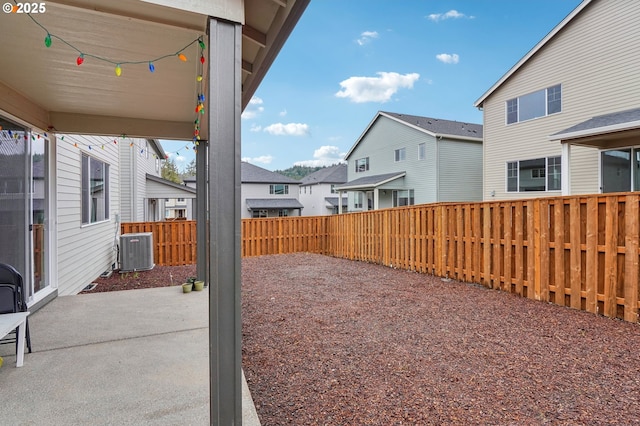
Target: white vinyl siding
(604, 33)
(84, 252)
(460, 171)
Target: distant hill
(298, 172)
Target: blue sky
(347, 60)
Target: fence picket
(561, 250)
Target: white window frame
(91, 210)
(279, 189)
(362, 164)
(550, 170)
(552, 96)
(403, 194)
(400, 155)
(422, 151)
(358, 200)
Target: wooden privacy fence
(174, 242)
(579, 251)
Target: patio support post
(565, 169)
(339, 202)
(224, 85)
(202, 218)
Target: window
(258, 213)
(358, 200)
(403, 197)
(400, 154)
(279, 189)
(181, 200)
(95, 190)
(540, 174)
(283, 213)
(362, 165)
(333, 189)
(422, 151)
(533, 105)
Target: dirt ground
(328, 341)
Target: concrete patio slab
(128, 357)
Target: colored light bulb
(202, 59)
(202, 45)
(182, 57)
(80, 59)
(47, 40)
(118, 70)
(152, 67)
(199, 78)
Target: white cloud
(254, 108)
(375, 89)
(282, 113)
(324, 156)
(263, 159)
(255, 128)
(452, 14)
(366, 37)
(289, 129)
(448, 58)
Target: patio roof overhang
(43, 87)
(370, 182)
(605, 131)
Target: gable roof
(333, 174)
(431, 126)
(158, 187)
(254, 174)
(532, 52)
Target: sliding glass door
(24, 237)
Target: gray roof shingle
(273, 203)
(604, 120)
(371, 181)
(254, 174)
(333, 174)
(439, 126)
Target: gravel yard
(334, 342)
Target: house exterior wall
(595, 58)
(312, 197)
(84, 251)
(450, 171)
(136, 161)
(261, 190)
(459, 170)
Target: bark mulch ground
(332, 342)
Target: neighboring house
(175, 208)
(318, 193)
(566, 118)
(268, 194)
(405, 159)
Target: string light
(80, 59)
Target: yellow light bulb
(118, 70)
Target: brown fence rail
(580, 251)
(174, 241)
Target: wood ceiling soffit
(247, 66)
(254, 35)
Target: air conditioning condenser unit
(136, 252)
